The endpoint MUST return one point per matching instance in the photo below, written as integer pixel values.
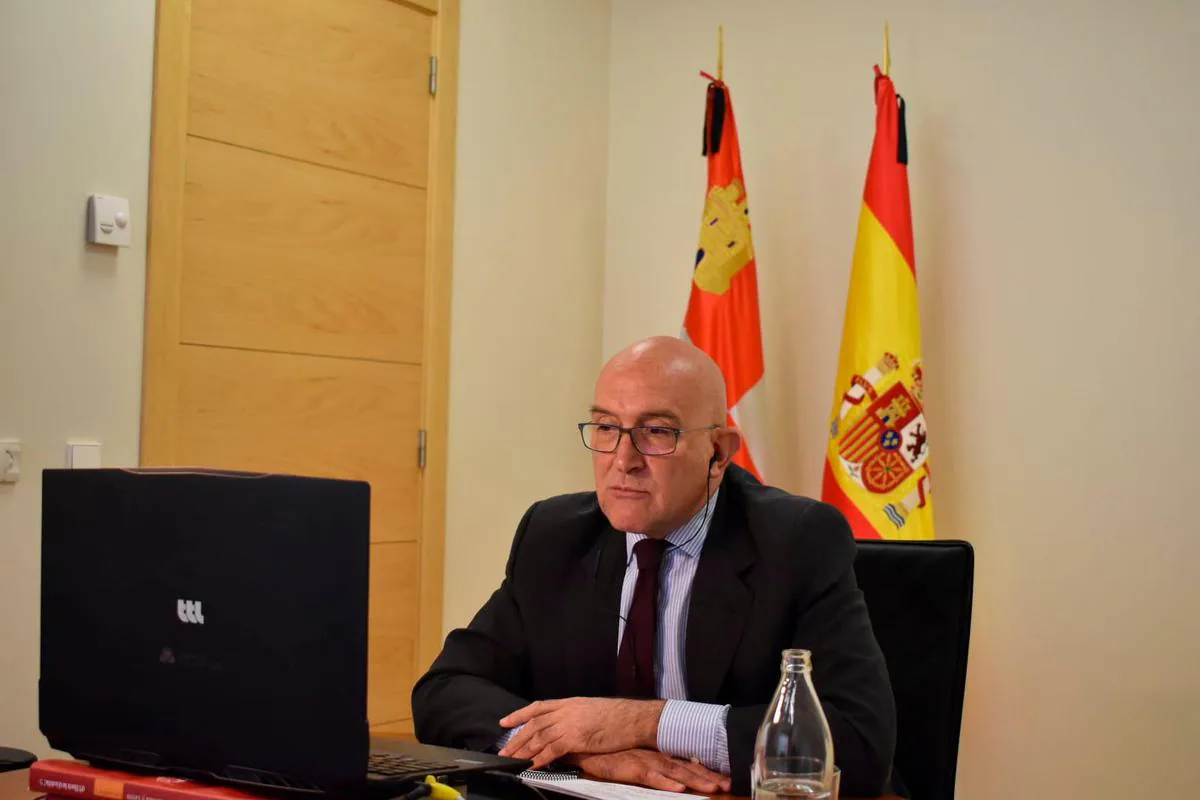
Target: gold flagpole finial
(720, 52)
(887, 52)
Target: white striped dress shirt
(686, 729)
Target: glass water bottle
(793, 754)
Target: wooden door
(299, 272)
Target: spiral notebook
(569, 783)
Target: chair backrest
(918, 595)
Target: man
(639, 628)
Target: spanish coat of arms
(881, 437)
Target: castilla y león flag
(877, 463)
(722, 313)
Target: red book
(66, 779)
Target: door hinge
(421, 449)
(433, 75)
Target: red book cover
(67, 779)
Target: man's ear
(725, 446)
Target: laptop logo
(189, 611)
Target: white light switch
(83, 455)
(10, 461)
(108, 220)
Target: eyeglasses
(650, 440)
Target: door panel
(395, 574)
(344, 83)
(242, 409)
(283, 255)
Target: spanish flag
(722, 313)
(877, 464)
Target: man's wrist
(648, 728)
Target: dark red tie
(635, 656)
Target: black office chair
(919, 595)
(13, 759)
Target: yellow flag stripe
(882, 316)
(881, 309)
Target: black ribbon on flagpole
(714, 118)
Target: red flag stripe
(726, 327)
(886, 191)
(832, 493)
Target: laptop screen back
(207, 621)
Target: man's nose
(627, 457)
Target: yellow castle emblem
(725, 245)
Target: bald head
(679, 364)
(659, 441)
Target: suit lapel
(604, 567)
(720, 601)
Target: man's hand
(654, 769)
(554, 728)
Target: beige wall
(528, 272)
(1054, 176)
(75, 93)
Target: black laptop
(214, 625)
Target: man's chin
(627, 513)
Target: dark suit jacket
(776, 571)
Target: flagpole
(887, 52)
(720, 52)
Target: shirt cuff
(695, 731)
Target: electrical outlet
(10, 461)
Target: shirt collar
(688, 538)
